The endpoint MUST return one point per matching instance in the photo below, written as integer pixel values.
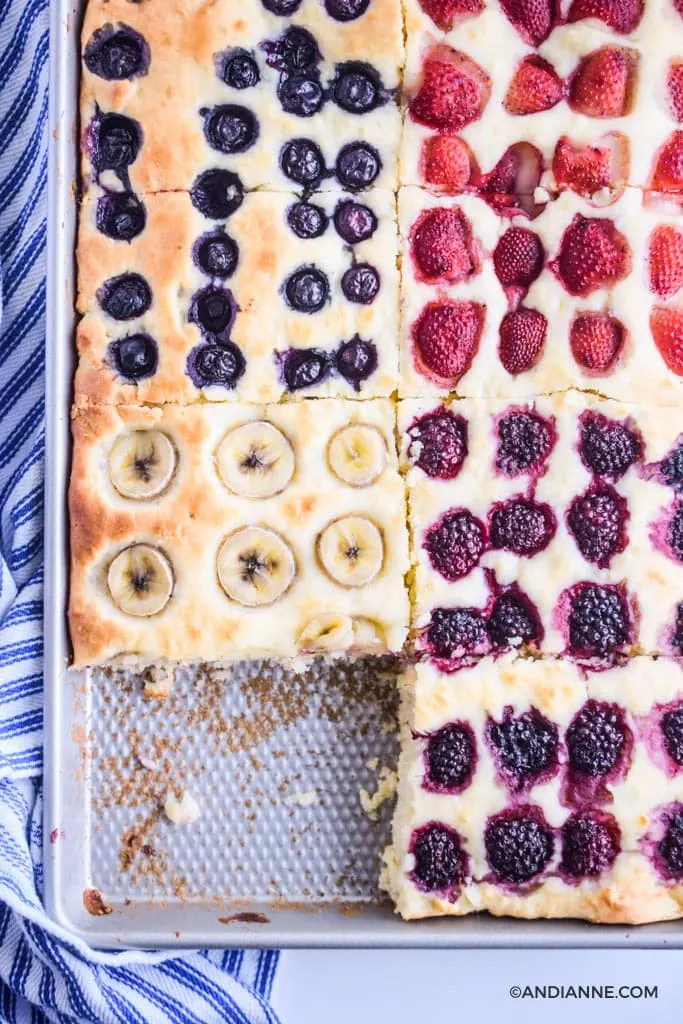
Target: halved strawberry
(447, 162)
(447, 13)
(596, 341)
(522, 337)
(665, 260)
(533, 19)
(619, 15)
(592, 255)
(535, 86)
(453, 93)
(518, 172)
(603, 83)
(518, 258)
(668, 171)
(666, 324)
(674, 85)
(446, 337)
(586, 169)
(442, 246)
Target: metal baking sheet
(283, 854)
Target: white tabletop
(442, 987)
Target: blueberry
(670, 848)
(213, 309)
(116, 142)
(216, 254)
(307, 220)
(230, 128)
(307, 290)
(519, 844)
(608, 447)
(671, 468)
(597, 522)
(357, 88)
(596, 738)
(672, 732)
(525, 747)
(358, 165)
(598, 619)
(282, 7)
(514, 620)
(239, 70)
(221, 365)
(125, 297)
(300, 95)
(304, 367)
(525, 441)
(438, 443)
(360, 283)
(117, 53)
(120, 216)
(354, 222)
(441, 865)
(135, 357)
(302, 161)
(674, 532)
(295, 50)
(455, 543)
(450, 758)
(356, 360)
(217, 193)
(455, 632)
(346, 10)
(522, 526)
(590, 844)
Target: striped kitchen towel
(45, 975)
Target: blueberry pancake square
(505, 97)
(529, 789)
(570, 294)
(281, 297)
(293, 99)
(214, 533)
(551, 526)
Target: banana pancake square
(199, 94)
(279, 297)
(504, 98)
(529, 788)
(222, 532)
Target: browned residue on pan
(93, 901)
(245, 917)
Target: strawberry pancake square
(596, 100)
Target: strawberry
(674, 85)
(620, 15)
(666, 324)
(446, 162)
(586, 169)
(535, 86)
(665, 260)
(447, 13)
(678, 4)
(453, 93)
(602, 85)
(446, 337)
(442, 247)
(533, 19)
(518, 172)
(522, 337)
(668, 172)
(596, 341)
(592, 255)
(518, 258)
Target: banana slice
(141, 464)
(367, 635)
(140, 580)
(357, 454)
(330, 632)
(351, 550)
(255, 460)
(255, 566)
